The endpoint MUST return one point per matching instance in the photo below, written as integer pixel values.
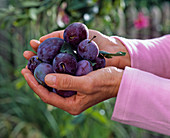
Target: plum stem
(39, 59)
(92, 39)
(63, 66)
(72, 37)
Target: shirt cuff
(151, 55)
(140, 103)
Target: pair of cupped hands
(92, 88)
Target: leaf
(20, 84)
(20, 23)
(92, 63)
(97, 116)
(33, 14)
(18, 129)
(66, 48)
(110, 55)
(30, 4)
(79, 119)
(76, 5)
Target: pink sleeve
(151, 55)
(143, 99)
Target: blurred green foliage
(22, 113)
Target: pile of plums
(75, 55)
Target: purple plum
(64, 93)
(33, 62)
(75, 33)
(83, 67)
(65, 63)
(49, 49)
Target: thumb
(67, 82)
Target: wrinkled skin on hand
(92, 88)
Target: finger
(34, 44)
(45, 95)
(25, 70)
(28, 54)
(31, 81)
(60, 102)
(68, 82)
(53, 34)
(93, 33)
(34, 85)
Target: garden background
(22, 113)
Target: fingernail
(25, 53)
(36, 41)
(50, 79)
(22, 71)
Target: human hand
(104, 42)
(92, 88)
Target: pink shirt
(143, 99)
